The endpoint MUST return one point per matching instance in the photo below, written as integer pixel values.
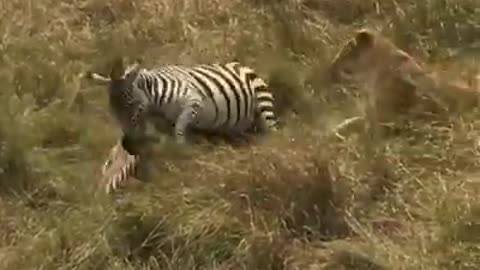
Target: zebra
(229, 99)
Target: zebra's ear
(118, 69)
(135, 67)
(137, 63)
(132, 71)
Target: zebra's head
(123, 97)
(121, 78)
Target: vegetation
(299, 199)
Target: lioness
(395, 82)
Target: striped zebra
(229, 99)
(226, 99)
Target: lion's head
(386, 72)
(370, 53)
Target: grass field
(300, 199)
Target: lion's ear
(365, 38)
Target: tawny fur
(395, 82)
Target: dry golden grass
(299, 199)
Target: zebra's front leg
(135, 135)
(188, 115)
(134, 138)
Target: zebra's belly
(211, 120)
